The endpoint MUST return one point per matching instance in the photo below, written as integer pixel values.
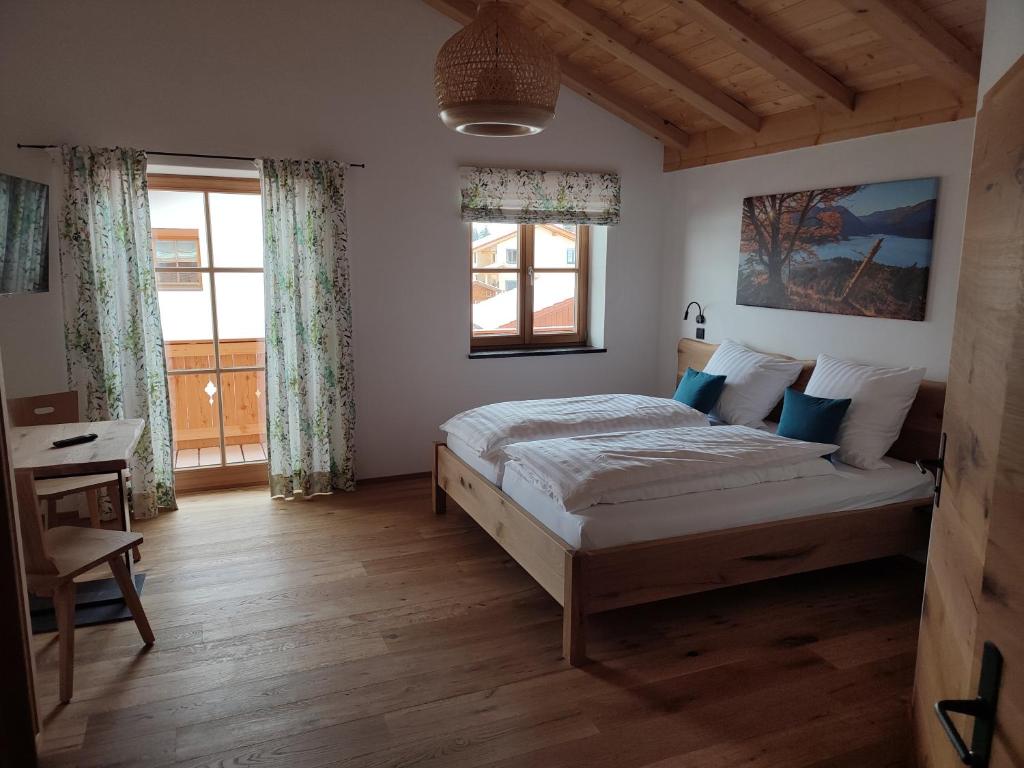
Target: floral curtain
(24, 234)
(310, 399)
(535, 197)
(111, 314)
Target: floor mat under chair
(96, 602)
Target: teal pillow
(813, 419)
(699, 390)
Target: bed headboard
(922, 429)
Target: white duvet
(490, 428)
(583, 471)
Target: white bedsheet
(489, 428)
(492, 469)
(580, 472)
(611, 525)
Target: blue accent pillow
(813, 419)
(699, 390)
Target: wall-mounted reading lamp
(700, 317)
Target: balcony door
(208, 254)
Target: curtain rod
(175, 154)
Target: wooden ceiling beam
(658, 67)
(589, 86)
(751, 38)
(891, 108)
(909, 27)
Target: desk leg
(126, 519)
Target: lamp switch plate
(700, 333)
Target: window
(172, 249)
(208, 251)
(536, 296)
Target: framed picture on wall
(859, 250)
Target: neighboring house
(483, 290)
(559, 315)
(502, 250)
(498, 250)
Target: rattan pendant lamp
(495, 78)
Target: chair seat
(75, 550)
(57, 487)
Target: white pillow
(754, 383)
(881, 399)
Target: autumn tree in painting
(779, 228)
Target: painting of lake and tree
(858, 250)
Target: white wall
(350, 80)
(702, 235)
(1004, 41)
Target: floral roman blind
(536, 197)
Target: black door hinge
(936, 467)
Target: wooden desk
(32, 448)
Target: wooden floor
(360, 630)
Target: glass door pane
(195, 419)
(245, 416)
(180, 212)
(187, 323)
(240, 318)
(236, 223)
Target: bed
(595, 562)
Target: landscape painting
(859, 250)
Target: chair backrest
(33, 546)
(34, 411)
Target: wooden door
(974, 590)
(18, 719)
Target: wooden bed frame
(586, 581)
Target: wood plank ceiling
(717, 80)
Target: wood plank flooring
(361, 630)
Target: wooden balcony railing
(195, 420)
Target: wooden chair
(54, 557)
(62, 408)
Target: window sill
(482, 354)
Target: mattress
(491, 469)
(611, 525)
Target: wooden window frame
(225, 475)
(526, 338)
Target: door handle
(982, 709)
